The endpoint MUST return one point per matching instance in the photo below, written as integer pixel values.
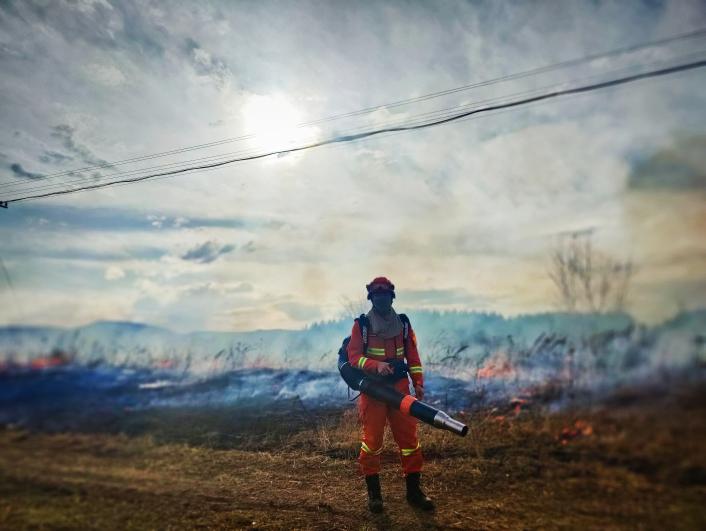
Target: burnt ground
(637, 461)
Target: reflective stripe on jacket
(380, 349)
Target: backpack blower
(378, 387)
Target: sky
(461, 216)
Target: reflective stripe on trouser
(409, 451)
(373, 417)
(365, 448)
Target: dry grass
(642, 467)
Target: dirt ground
(635, 462)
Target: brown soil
(635, 463)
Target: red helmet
(380, 284)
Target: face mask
(382, 302)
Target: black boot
(415, 496)
(374, 494)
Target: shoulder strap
(364, 325)
(405, 325)
(405, 331)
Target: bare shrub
(352, 308)
(587, 279)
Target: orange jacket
(380, 349)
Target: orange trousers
(373, 416)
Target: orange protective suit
(374, 414)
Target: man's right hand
(383, 368)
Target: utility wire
(340, 145)
(252, 156)
(412, 120)
(548, 68)
(489, 114)
(349, 138)
(93, 179)
(420, 118)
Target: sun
(275, 123)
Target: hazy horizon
(340, 319)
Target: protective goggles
(380, 288)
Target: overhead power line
(37, 185)
(359, 136)
(410, 120)
(28, 188)
(368, 110)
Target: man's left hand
(419, 392)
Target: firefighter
(385, 344)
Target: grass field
(636, 461)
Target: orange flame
(53, 360)
(581, 428)
(496, 368)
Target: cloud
(207, 252)
(442, 297)
(680, 166)
(126, 219)
(205, 64)
(114, 273)
(19, 171)
(8, 51)
(99, 24)
(201, 305)
(86, 254)
(217, 288)
(299, 311)
(156, 221)
(105, 74)
(54, 157)
(65, 133)
(243, 287)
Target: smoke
(484, 356)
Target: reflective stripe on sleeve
(415, 369)
(361, 362)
